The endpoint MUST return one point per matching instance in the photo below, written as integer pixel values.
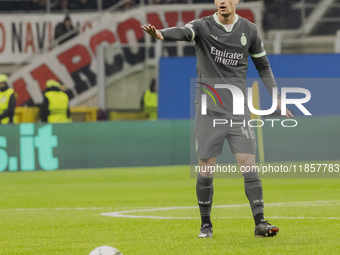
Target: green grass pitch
(60, 213)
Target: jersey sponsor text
(225, 57)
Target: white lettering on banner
(22, 35)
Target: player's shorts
(209, 139)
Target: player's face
(2, 85)
(226, 7)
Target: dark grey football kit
(222, 58)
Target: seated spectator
(201, 1)
(85, 5)
(60, 5)
(37, 5)
(6, 6)
(129, 5)
(109, 3)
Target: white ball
(105, 250)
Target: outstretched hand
(289, 114)
(151, 30)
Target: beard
(225, 15)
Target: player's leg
(204, 192)
(209, 143)
(254, 193)
(252, 184)
(242, 143)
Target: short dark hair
(67, 18)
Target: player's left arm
(259, 57)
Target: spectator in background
(129, 5)
(6, 6)
(85, 5)
(7, 101)
(37, 5)
(55, 107)
(149, 102)
(63, 28)
(109, 3)
(60, 5)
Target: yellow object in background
(151, 104)
(256, 104)
(31, 114)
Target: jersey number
(249, 133)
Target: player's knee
(251, 176)
(246, 162)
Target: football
(105, 250)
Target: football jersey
(222, 56)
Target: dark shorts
(210, 139)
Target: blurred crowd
(278, 14)
(43, 5)
(75, 5)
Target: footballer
(223, 43)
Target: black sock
(253, 189)
(204, 192)
(206, 220)
(258, 218)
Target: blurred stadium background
(106, 63)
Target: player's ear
(236, 1)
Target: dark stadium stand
(274, 16)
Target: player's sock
(204, 192)
(258, 218)
(253, 189)
(206, 220)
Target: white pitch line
(123, 214)
(56, 209)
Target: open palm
(151, 30)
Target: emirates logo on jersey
(225, 57)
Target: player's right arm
(151, 30)
(186, 33)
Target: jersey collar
(232, 26)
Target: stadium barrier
(26, 114)
(31, 114)
(29, 147)
(126, 115)
(303, 70)
(84, 113)
(79, 145)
